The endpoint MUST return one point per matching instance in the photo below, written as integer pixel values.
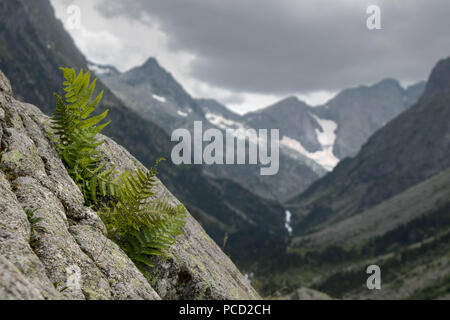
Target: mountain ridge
(385, 166)
(138, 87)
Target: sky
(248, 54)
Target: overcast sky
(249, 53)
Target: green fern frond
(35, 226)
(76, 131)
(142, 225)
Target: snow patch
(327, 136)
(159, 98)
(222, 122)
(324, 157)
(234, 128)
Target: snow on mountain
(222, 122)
(159, 98)
(326, 137)
(324, 157)
(236, 129)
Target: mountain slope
(409, 149)
(361, 111)
(411, 204)
(294, 119)
(389, 206)
(153, 92)
(338, 129)
(34, 45)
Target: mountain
(313, 140)
(302, 133)
(214, 108)
(388, 206)
(34, 44)
(153, 93)
(336, 130)
(294, 119)
(407, 236)
(296, 170)
(359, 112)
(409, 149)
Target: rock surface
(72, 258)
(5, 86)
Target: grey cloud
(285, 46)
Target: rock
(14, 285)
(71, 257)
(61, 264)
(5, 85)
(126, 282)
(14, 243)
(197, 268)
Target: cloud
(99, 46)
(248, 53)
(292, 46)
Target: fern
(77, 131)
(35, 226)
(142, 225)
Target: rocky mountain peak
(151, 63)
(439, 81)
(412, 147)
(289, 104)
(388, 82)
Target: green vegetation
(141, 224)
(441, 288)
(142, 228)
(340, 269)
(34, 226)
(77, 144)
